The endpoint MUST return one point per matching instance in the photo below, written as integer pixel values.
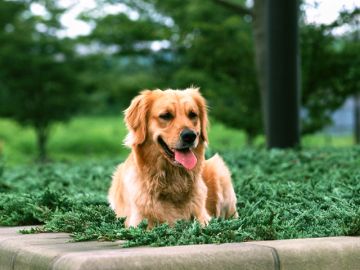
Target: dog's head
(174, 120)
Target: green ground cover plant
(281, 195)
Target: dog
(166, 177)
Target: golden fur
(149, 185)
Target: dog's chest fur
(171, 186)
(166, 191)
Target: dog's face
(175, 121)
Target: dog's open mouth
(180, 157)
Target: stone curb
(53, 251)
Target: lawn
(281, 195)
(82, 138)
(88, 138)
(98, 138)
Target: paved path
(53, 251)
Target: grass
(324, 140)
(87, 138)
(83, 138)
(96, 137)
(281, 195)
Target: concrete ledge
(54, 251)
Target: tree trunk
(249, 139)
(357, 118)
(282, 74)
(42, 133)
(258, 26)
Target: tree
(325, 69)
(123, 61)
(329, 64)
(37, 69)
(216, 48)
(212, 48)
(330, 68)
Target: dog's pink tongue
(186, 158)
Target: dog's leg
(204, 218)
(134, 219)
(199, 204)
(221, 198)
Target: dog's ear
(136, 118)
(201, 103)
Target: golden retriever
(166, 176)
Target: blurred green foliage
(212, 46)
(45, 78)
(281, 195)
(37, 69)
(330, 73)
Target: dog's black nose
(188, 136)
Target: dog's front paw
(204, 219)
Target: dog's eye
(166, 116)
(192, 115)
